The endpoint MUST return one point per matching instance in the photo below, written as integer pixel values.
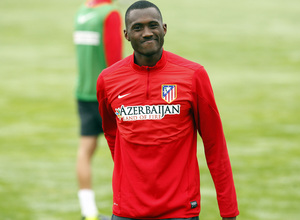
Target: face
(145, 31)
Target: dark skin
(146, 31)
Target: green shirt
(88, 38)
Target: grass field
(251, 50)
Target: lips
(149, 41)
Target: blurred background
(251, 50)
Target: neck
(92, 3)
(150, 61)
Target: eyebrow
(141, 23)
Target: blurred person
(152, 104)
(98, 39)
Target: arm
(108, 116)
(113, 38)
(210, 128)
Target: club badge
(169, 93)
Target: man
(98, 39)
(152, 104)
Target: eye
(136, 27)
(153, 25)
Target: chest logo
(122, 96)
(146, 112)
(169, 92)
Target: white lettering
(146, 112)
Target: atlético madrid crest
(169, 93)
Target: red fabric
(94, 3)
(156, 173)
(113, 38)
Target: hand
(233, 218)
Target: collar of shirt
(159, 65)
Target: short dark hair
(141, 5)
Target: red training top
(150, 119)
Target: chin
(150, 52)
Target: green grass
(251, 52)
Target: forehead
(143, 16)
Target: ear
(165, 28)
(126, 35)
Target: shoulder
(191, 69)
(183, 62)
(108, 8)
(197, 71)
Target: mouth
(148, 41)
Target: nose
(147, 32)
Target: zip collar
(159, 65)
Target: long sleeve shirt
(151, 116)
